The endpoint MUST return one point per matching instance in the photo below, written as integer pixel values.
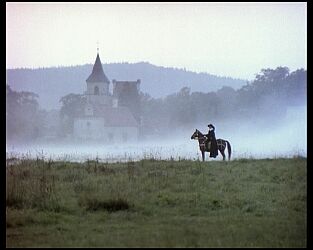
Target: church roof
(116, 117)
(97, 74)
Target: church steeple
(97, 74)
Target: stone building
(107, 117)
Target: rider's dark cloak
(212, 139)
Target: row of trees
(22, 115)
(25, 121)
(267, 96)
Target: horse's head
(195, 135)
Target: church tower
(98, 86)
(109, 117)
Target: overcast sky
(226, 39)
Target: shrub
(110, 205)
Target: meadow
(156, 203)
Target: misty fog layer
(263, 119)
(286, 138)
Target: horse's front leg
(203, 155)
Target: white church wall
(88, 128)
(94, 129)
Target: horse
(221, 145)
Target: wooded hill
(53, 83)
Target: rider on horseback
(211, 138)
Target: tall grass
(153, 202)
(30, 184)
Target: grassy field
(152, 203)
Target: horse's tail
(229, 150)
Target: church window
(96, 90)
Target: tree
(72, 106)
(202, 108)
(227, 100)
(154, 114)
(272, 75)
(272, 91)
(296, 89)
(181, 110)
(22, 115)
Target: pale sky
(226, 39)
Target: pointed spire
(97, 74)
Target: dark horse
(221, 144)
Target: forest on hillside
(53, 83)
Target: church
(109, 117)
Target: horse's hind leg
(223, 154)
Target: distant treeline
(266, 97)
(53, 83)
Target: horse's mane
(199, 132)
